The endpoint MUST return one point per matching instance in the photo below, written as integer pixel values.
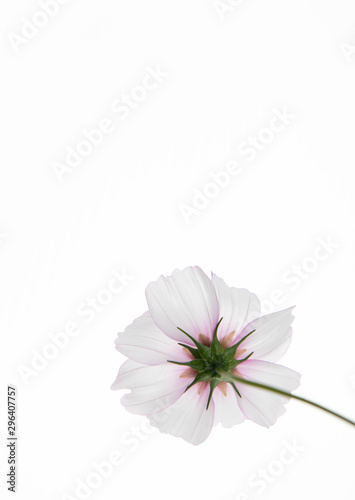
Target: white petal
(227, 411)
(152, 387)
(272, 335)
(261, 406)
(237, 306)
(186, 299)
(128, 375)
(188, 417)
(145, 343)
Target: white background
(120, 209)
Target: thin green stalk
(284, 393)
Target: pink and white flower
(199, 332)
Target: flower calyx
(213, 363)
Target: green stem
(284, 393)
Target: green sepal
(230, 365)
(229, 353)
(200, 377)
(203, 350)
(196, 364)
(235, 388)
(244, 359)
(192, 350)
(213, 384)
(216, 347)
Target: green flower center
(213, 363)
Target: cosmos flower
(189, 351)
